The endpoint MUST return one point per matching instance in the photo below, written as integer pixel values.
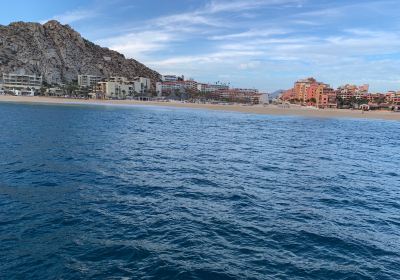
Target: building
(56, 91)
(207, 88)
(238, 95)
(142, 85)
(325, 97)
(301, 87)
(393, 98)
(348, 92)
(88, 81)
(114, 90)
(172, 78)
(312, 93)
(18, 82)
(175, 87)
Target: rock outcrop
(59, 54)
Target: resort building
(88, 81)
(301, 87)
(56, 91)
(237, 95)
(172, 78)
(348, 92)
(17, 81)
(207, 88)
(325, 97)
(141, 85)
(310, 92)
(176, 87)
(114, 90)
(393, 98)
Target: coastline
(256, 109)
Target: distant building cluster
(176, 87)
(305, 92)
(114, 87)
(310, 92)
(170, 87)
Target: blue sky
(265, 44)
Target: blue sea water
(98, 192)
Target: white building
(168, 88)
(172, 78)
(208, 88)
(142, 85)
(115, 90)
(16, 81)
(159, 88)
(88, 81)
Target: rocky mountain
(59, 54)
(276, 94)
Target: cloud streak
(74, 16)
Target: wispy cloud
(251, 33)
(240, 5)
(74, 16)
(137, 44)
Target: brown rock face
(60, 54)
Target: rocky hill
(59, 54)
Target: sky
(264, 44)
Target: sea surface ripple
(98, 192)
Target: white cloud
(249, 65)
(73, 16)
(241, 5)
(251, 33)
(138, 44)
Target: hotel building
(121, 88)
(18, 82)
(175, 87)
(88, 81)
(172, 78)
(114, 90)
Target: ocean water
(97, 192)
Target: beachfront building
(208, 88)
(348, 92)
(393, 97)
(56, 92)
(114, 90)
(310, 92)
(238, 95)
(172, 78)
(301, 88)
(88, 81)
(141, 85)
(21, 82)
(325, 97)
(306, 92)
(117, 87)
(175, 87)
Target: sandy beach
(256, 109)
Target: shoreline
(255, 109)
